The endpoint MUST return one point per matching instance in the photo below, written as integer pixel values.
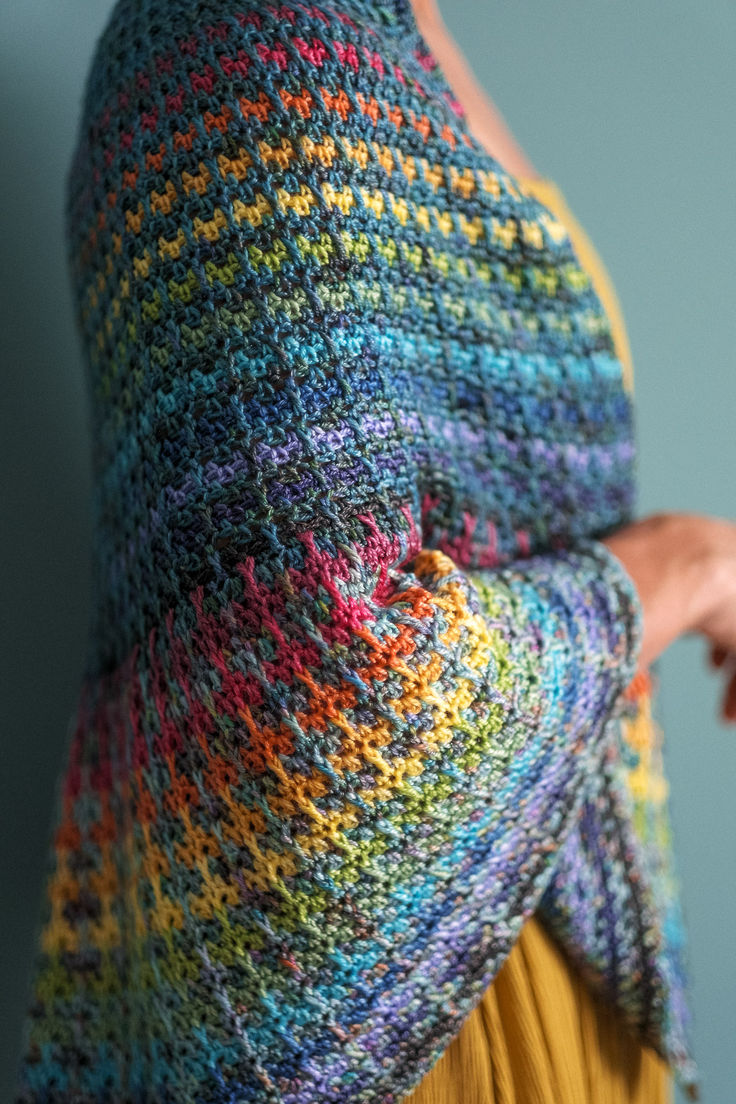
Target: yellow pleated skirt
(539, 1036)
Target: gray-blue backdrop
(629, 107)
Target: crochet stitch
(360, 668)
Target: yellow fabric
(538, 1035)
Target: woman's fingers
(728, 708)
(719, 656)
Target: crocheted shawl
(359, 661)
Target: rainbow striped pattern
(360, 667)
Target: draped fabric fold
(358, 655)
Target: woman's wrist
(693, 552)
(712, 566)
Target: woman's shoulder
(183, 32)
(278, 63)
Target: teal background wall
(629, 107)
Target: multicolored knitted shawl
(360, 666)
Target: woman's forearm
(666, 555)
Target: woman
(371, 617)
(538, 1034)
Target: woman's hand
(684, 568)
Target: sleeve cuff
(630, 608)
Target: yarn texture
(360, 667)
